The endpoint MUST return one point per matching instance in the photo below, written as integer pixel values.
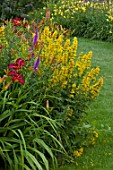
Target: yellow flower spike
(67, 43)
(101, 81)
(75, 43)
(97, 70)
(1, 30)
(95, 88)
(46, 31)
(59, 55)
(89, 56)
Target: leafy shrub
(20, 8)
(44, 90)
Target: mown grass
(100, 113)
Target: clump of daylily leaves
(44, 90)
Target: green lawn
(100, 113)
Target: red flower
(17, 65)
(17, 21)
(15, 31)
(16, 77)
(25, 24)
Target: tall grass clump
(44, 90)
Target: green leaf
(7, 156)
(55, 140)
(4, 100)
(15, 160)
(22, 137)
(17, 123)
(26, 167)
(32, 160)
(11, 139)
(22, 156)
(5, 115)
(49, 120)
(46, 147)
(42, 157)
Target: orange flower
(48, 13)
(2, 79)
(6, 86)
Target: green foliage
(45, 88)
(24, 132)
(92, 24)
(28, 134)
(20, 8)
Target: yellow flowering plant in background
(45, 88)
(90, 19)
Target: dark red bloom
(25, 24)
(15, 31)
(17, 65)
(19, 33)
(17, 21)
(1, 46)
(16, 77)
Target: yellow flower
(81, 150)
(95, 134)
(92, 141)
(70, 112)
(73, 85)
(71, 95)
(76, 163)
(92, 164)
(110, 32)
(76, 153)
(72, 91)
